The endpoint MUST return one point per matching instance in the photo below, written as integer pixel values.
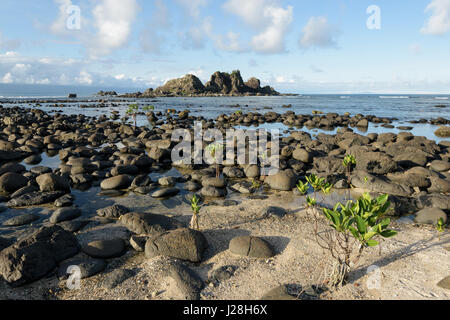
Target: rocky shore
(131, 232)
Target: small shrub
(355, 226)
(195, 207)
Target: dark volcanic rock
(11, 182)
(114, 211)
(116, 183)
(251, 246)
(105, 249)
(283, 180)
(52, 182)
(21, 220)
(74, 225)
(166, 193)
(34, 199)
(64, 214)
(184, 244)
(364, 180)
(187, 281)
(116, 277)
(88, 267)
(4, 243)
(147, 223)
(33, 257)
(188, 85)
(434, 200)
(430, 216)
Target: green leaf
(388, 233)
(354, 232)
(369, 235)
(362, 228)
(372, 243)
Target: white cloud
(84, 78)
(251, 11)
(7, 78)
(113, 20)
(271, 40)
(439, 22)
(108, 30)
(229, 42)
(59, 26)
(18, 69)
(318, 33)
(194, 37)
(270, 21)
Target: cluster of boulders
(102, 93)
(221, 83)
(413, 170)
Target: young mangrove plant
(255, 184)
(302, 187)
(355, 226)
(316, 183)
(215, 150)
(440, 227)
(148, 108)
(349, 163)
(195, 207)
(133, 110)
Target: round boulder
(104, 249)
(251, 247)
(52, 182)
(116, 183)
(184, 244)
(430, 216)
(11, 182)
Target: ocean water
(403, 108)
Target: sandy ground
(409, 265)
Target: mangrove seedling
(195, 207)
(349, 162)
(148, 108)
(255, 184)
(311, 202)
(133, 110)
(315, 182)
(354, 227)
(302, 187)
(440, 226)
(214, 150)
(326, 188)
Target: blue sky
(300, 46)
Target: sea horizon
(18, 91)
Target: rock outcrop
(188, 85)
(220, 83)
